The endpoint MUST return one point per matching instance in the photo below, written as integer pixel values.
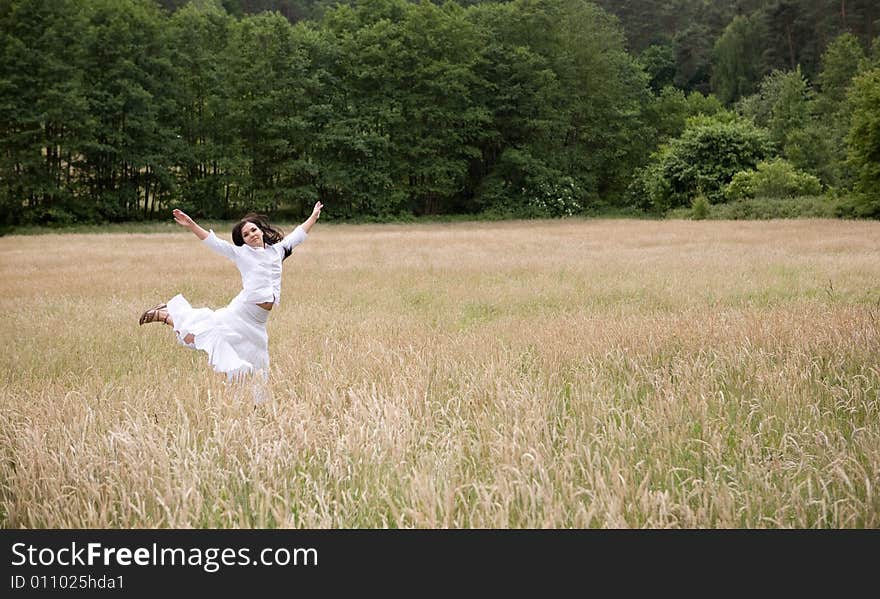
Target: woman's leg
(165, 318)
(157, 314)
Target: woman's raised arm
(183, 219)
(316, 212)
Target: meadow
(569, 373)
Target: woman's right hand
(182, 218)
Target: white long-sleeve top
(260, 268)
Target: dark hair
(271, 235)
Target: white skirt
(234, 337)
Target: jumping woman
(235, 337)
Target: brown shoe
(152, 315)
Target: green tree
(658, 61)
(204, 153)
(264, 105)
(810, 128)
(790, 33)
(784, 105)
(350, 151)
(354, 140)
(833, 114)
(670, 110)
(840, 63)
(441, 120)
(608, 92)
(772, 179)
(703, 160)
(527, 104)
(44, 117)
(789, 111)
(864, 140)
(693, 54)
(413, 114)
(125, 73)
(579, 99)
(736, 59)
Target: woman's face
(252, 235)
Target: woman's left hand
(182, 218)
(317, 210)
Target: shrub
(556, 198)
(700, 207)
(773, 179)
(766, 208)
(523, 186)
(706, 157)
(859, 205)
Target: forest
(119, 110)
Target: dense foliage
(705, 158)
(114, 110)
(774, 179)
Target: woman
(235, 337)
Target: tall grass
(518, 374)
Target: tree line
(679, 39)
(115, 110)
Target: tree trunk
(870, 20)
(147, 180)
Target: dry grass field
(519, 374)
